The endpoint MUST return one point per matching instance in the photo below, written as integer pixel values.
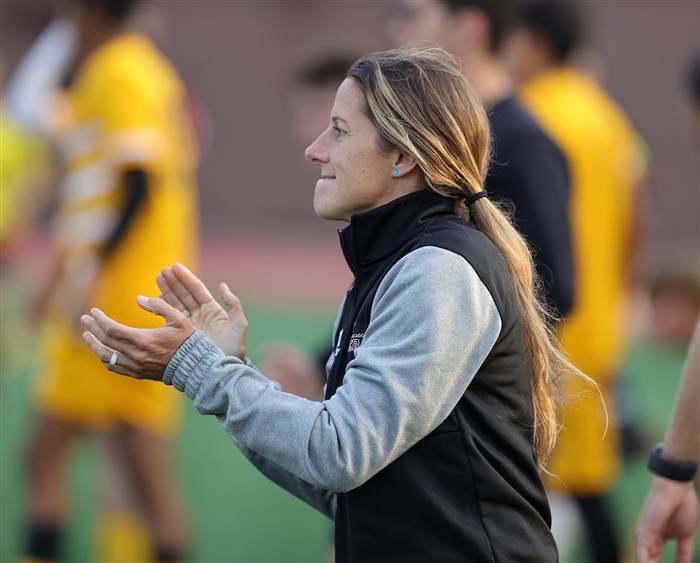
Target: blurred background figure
(24, 174)
(24, 171)
(606, 163)
(125, 206)
(675, 303)
(528, 171)
(316, 84)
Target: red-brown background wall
(241, 57)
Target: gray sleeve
(321, 499)
(433, 324)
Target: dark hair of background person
(326, 70)
(560, 23)
(115, 10)
(681, 278)
(694, 79)
(501, 16)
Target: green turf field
(236, 514)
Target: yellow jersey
(124, 111)
(606, 162)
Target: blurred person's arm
(51, 279)
(670, 510)
(135, 185)
(682, 441)
(31, 88)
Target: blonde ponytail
(420, 102)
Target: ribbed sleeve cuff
(190, 363)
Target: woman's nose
(316, 153)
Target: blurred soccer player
(527, 168)
(606, 164)
(126, 206)
(24, 173)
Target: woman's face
(355, 175)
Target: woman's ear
(404, 164)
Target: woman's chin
(326, 210)
(328, 215)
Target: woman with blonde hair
(439, 410)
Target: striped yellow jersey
(124, 111)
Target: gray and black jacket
(422, 449)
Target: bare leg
(123, 534)
(46, 456)
(118, 488)
(158, 489)
(48, 502)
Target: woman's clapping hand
(228, 327)
(137, 352)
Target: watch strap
(670, 468)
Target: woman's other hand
(297, 372)
(670, 512)
(228, 328)
(137, 352)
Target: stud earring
(396, 171)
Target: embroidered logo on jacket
(355, 341)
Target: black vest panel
(470, 490)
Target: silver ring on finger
(186, 313)
(113, 359)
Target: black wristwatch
(670, 468)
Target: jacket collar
(376, 234)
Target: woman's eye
(338, 131)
